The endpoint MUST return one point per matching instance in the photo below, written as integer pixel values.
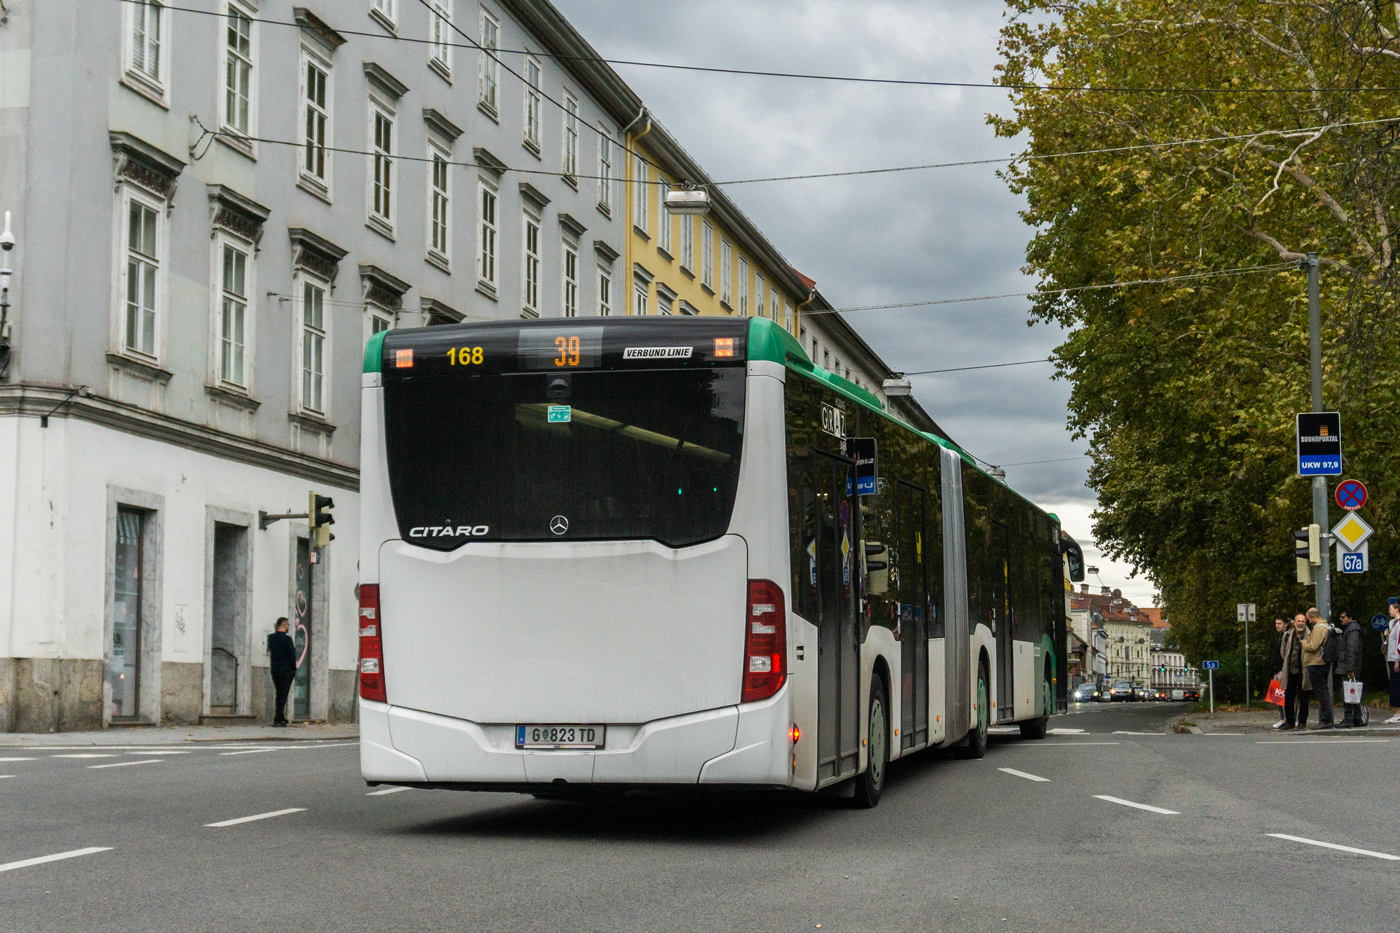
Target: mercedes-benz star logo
(559, 524)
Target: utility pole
(1319, 490)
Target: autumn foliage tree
(1250, 133)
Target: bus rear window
(539, 457)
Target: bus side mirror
(877, 572)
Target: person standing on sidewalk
(1319, 674)
(1293, 676)
(1349, 663)
(1392, 660)
(1276, 664)
(283, 652)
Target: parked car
(1193, 694)
(1085, 693)
(1122, 690)
(1178, 694)
(1142, 694)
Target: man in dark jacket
(283, 652)
(1276, 663)
(1349, 663)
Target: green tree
(1261, 130)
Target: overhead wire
(963, 369)
(811, 76)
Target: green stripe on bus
(374, 353)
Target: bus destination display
(559, 349)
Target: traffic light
(320, 519)
(1307, 548)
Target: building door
(838, 661)
(301, 632)
(124, 670)
(913, 621)
(1000, 574)
(224, 655)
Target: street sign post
(1211, 667)
(1352, 494)
(1319, 443)
(1245, 612)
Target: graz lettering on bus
(833, 420)
(449, 531)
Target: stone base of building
(65, 695)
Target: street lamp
(687, 201)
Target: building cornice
(316, 27)
(31, 401)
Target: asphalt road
(1021, 840)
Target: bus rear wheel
(1036, 728)
(976, 746)
(871, 782)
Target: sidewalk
(180, 735)
(1262, 720)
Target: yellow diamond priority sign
(1352, 531)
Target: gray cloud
(943, 233)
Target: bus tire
(1037, 728)
(871, 781)
(976, 746)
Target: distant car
(1122, 690)
(1085, 693)
(1193, 695)
(1178, 694)
(1142, 694)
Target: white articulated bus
(658, 552)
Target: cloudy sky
(943, 233)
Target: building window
(439, 204)
(238, 70)
(605, 165)
(787, 317)
(826, 360)
(381, 205)
(773, 305)
(489, 75)
(530, 271)
(663, 218)
(233, 315)
(570, 136)
(707, 250)
(143, 270)
(145, 45)
(639, 202)
(760, 296)
(687, 242)
(441, 36)
(486, 238)
(570, 279)
(664, 302)
(605, 282)
(389, 9)
(316, 121)
(726, 272)
(639, 298)
(532, 103)
(377, 319)
(313, 346)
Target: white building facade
(214, 211)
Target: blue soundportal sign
(1319, 443)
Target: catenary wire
(809, 76)
(963, 369)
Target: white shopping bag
(1351, 691)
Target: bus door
(838, 660)
(913, 626)
(1001, 619)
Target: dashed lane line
(395, 790)
(1122, 732)
(56, 857)
(248, 751)
(1064, 744)
(256, 816)
(127, 764)
(1021, 774)
(1140, 806)
(159, 751)
(1062, 730)
(1332, 845)
(16, 759)
(84, 755)
(1322, 742)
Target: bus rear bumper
(733, 745)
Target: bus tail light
(371, 646)
(765, 641)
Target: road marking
(257, 816)
(1333, 845)
(127, 764)
(3, 776)
(1065, 731)
(1322, 741)
(395, 790)
(83, 756)
(250, 751)
(1021, 774)
(16, 759)
(58, 857)
(1141, 806)
(1121, 732)
(1065, 744)
(158, 751)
